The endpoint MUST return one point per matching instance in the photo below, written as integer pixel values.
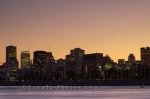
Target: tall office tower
(50, 58)
(25, 59)
(50, 62)
(11, 59)
(40, 60)
(78, 54)
(145, 55)
(74, 62)
(43, 60)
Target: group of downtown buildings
(76, 66)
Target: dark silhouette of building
(51, 66)
(78, 54)
(44, 65)
(25, 59)
(11, 60)
(121, 62)
(40, 60)
(77, 67)
(51, 59)
(93, 64)
(131, 61)
(74, 62)
(145, 55)
(70, 66)
(60, 69)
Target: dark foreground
(76, 83)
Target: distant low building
(121, 61)
(60, 69)
(121, 64)
(92, 66)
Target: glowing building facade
(11, 59)
(145, 55)
(25, 59)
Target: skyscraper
(50, 62)
(11, 59)
(50, 58)
(78, 54)
(25, 59)
(74, 62)
(40, 59)
(145, 55)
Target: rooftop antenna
(49, 47)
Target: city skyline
(77, 65)
(116, 28)
(27, 53)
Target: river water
(103, 92)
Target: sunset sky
(113, 27)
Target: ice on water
(76, 92)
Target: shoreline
(75, 83)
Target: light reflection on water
(98, 93)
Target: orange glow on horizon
(116, 28)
